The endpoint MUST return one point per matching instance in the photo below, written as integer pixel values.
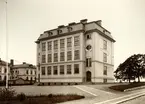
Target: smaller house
(23, 73)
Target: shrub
(21, 96)
(50, 95)
(6, 94)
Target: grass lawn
(127, 86)
(9, 96)
(43, 99)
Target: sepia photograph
(72, 51)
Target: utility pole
(7, 65)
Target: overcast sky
(27, 19)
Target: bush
(6, 94)
(50, 95)
(21, 96)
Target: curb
(130, 89)
(128, 99)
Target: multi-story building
(25, 71)
(76, 53)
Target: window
(105, 44)
(105, 80)
(69, 42)
(61, 43)
(68, 69)
(76, 68)
(42, 70)
(49, 70)
(70, 29)
(55, 57)
(55, 44)
(31, 78)
(105, 70)
(18, 71)
(26, 78)
(5, 78)
(89, 36)
(55, 70)
(104, 57)
(88, 47)
(76, 55)
(61, 56)
(76, 41)
(27, 72)
(31, 72)
(49, 45)
(50, 33)
(69, 55)
(49, 58)
(43, 46)
(5, 71)
(59, 31)
(61, 69)
(43, 58)
(88, 62)
(0, 77)
(35, 72)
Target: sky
(27, 19)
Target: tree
(131, 68)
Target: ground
(140, 100)
(94, 94)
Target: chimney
(99, 22)
(72, 23)
(83, 21)
(61, 26)
(12, 62)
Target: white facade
(89, 42)
(3, 70)
(24, 71)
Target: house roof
(82, 25)
(24, 65)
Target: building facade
(24, 71)
(3, 70)
(76, 53)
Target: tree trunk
(138, 79)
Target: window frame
(76, 40)
(49, 71)
(61, 70)
(69, 55)
(76, 69)
(76, 54)
(44, 46)
(49, 45)
(69, 69)
(55, 57)
(62, 43)
(55, 70)
(43, 71)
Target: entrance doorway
(88, 76)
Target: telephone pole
(7, 65)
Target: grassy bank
(10, 97)
(127, 86)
